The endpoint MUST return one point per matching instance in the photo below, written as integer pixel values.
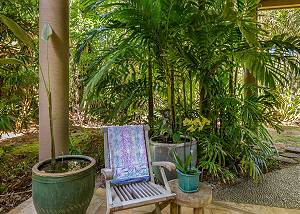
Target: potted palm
(63, 184)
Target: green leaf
(46, 32)
(192, 171)
(178, 162)
(188, 161)
(5, 123)
(10, 61)
(17, 31)
(176, 137)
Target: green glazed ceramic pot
(188, 183)
(68, 192)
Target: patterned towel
(128, 154)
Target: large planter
(68, 192)
(188, 183)
(163, 152)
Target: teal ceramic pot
(68, 193)
(188, 183)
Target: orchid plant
(193, 126)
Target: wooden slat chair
(128, 170)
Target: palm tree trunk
(150, 93)
(201, 97)
(171, 95)
(172, 100)
(191, 90)
(230, 83)
(249, 80)
(1, 85)
(250, 83)
(235, 80)
(184, 96)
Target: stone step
(284, 159)
(279, 146)
(293, 149)
(290, 155)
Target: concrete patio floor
(98, 205)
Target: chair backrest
(126, 153)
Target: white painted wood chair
(128, 170)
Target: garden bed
(19, 154)
(279, 188)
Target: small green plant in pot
(188, 176)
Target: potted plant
(161, 146)
(188, 176)
(63, 184)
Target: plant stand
(197, 200)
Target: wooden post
(54, 60)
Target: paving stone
(290, 155)
(280, 146)
(293, 149)
(284, 159)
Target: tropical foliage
(285, 22)
(164, 62)
(196, 59)
(18, 64)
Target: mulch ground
(15, 174)
(19, 154)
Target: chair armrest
(108, 174)
(167, 165)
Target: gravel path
(279, 189)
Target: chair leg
(108, 211)
(108, 197)
(157, 208)
(174, 208)
(199, 210)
